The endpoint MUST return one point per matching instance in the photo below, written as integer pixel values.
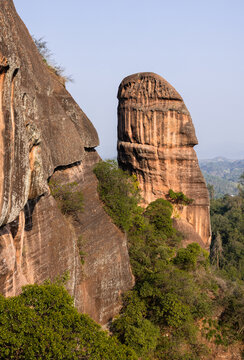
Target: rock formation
(44, 133)
(155, 141)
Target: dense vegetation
(175, 288)
(227, 218)
(223, 174)
(180, 306)
(227, 255)
(42, 323)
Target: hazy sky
(196, 45)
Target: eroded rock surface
(155, 141)
(44, 132)
(41, 125)
(106, 271)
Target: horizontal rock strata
(155, 141)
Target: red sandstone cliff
(44, 132)
(155, 141)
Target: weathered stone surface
(106, 271)
(42, 244)
(44, 132)
(41, 125)
(155, 141)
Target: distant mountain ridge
(223, 174)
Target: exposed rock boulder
(44, 132)
(155, 141)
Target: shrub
(119, 191)
(80, 244)
(171, 311)
(42, 323)
(232, 318)
(179, 198)
(46, 54)
(189, 257)
(69, 199)
(133, 329)
(159, 214)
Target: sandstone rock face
(44, 132)
(155, 141)
(106, 272)
(41, 125)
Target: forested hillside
(227, 218)
(177, 290)
(223, 174)
(182, 305)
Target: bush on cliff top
(46, 54)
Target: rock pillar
(156, 137)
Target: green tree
(227, 219)
(210, 191)
(70, 200)
(217, 251)
(241, 185)
(190, 257)
(179, 198)
(42, 323)
(159, 214)
(173, 286)
(133, 329)
(119, 191)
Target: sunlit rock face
(45, 134)
(156, 137)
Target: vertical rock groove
(3, 70)
(155, 141)
(12, 138)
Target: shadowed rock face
(155, 141)
(44, 132)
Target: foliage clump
(159, 214)
(179, 198)
(70, 200)
(227, 221)
(119, 191)
(42, 323)
(46, 54)
(133, 329)
(227, 256)
(190, 257)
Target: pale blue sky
(196, 45)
